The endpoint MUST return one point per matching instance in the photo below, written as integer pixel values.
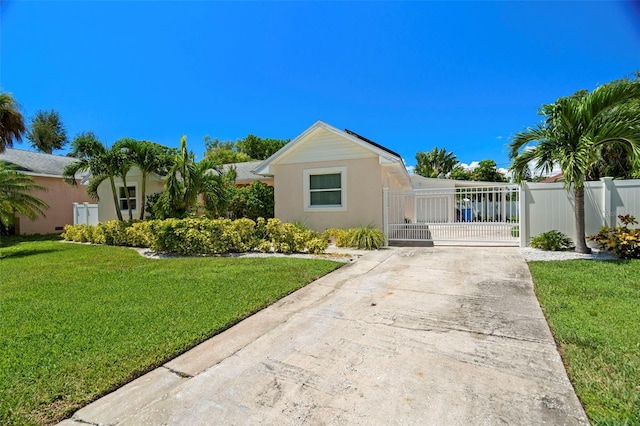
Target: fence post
(608, 218)
(385, 215)
(86, 213)
(524, 229)
(75, 213)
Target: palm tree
(47, 132)
(575, 132)
(11, 121)
(436, 163)
(15, 195)
(188, 179)
(95, 158)
(149, 157)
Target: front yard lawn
(78, 321)
(593, 309)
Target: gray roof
(36, 162)
(244, 171)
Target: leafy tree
(460, 173)
(437, 163)
(188, 179)
(46, 131)
(149, 157)
(253, 201)
(224, 152)
(11, 121)
(487, 172)
(573, 135)
(96, 159)
(259, 148)
(15, 195)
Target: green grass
(77, 321)
(593, 309)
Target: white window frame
(135, 186)
(307, 173)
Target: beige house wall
(106, 208)
(364, 177)
(60, 197)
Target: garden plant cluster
(202, 236)
(621, 240)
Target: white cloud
(410, 169)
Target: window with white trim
(325, 189)
(127, 197)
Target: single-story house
(245, 175)
(330, 178)
(131, 195)
(325, 178)
(46, 170)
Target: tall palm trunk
(126, 194)
(581, 243)
(115, 197)
(143, 195)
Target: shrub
(115, 232)
(77, 233)
(317, 245)
(366, 237)
(515, 231)
(551, 240)
(141, 234)
(253, 201)
(289, 237)
(621, 240)
(340, 236)
(199, 235)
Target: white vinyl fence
(85, 213)
(549, 206)
(504, 214)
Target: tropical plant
(437, 163)
(487, 171)
(573, 135)
(148, 157)
(460, 173)
(224, 152)
(15, 195)
(552, 241)
(366, 238)
(96, 159)
(253, 201)
(47, 132)
(259, 148)
(187, 180)
(622, 240)
(11, 121)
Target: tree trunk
(126, 194)
(143, 195)
(115, 197)
(581, 243)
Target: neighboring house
(329, 178)
(245, 175)
(46, 170)
(126, 196)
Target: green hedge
(202, 236)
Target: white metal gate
(467, 214)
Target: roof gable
(322, 142)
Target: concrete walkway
(429, 336)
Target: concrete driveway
(429, 336)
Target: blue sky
(409, 75)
